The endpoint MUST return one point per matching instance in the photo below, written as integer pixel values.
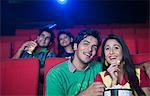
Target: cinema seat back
(141, 58)
(19, 77)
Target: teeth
(112, 58)
(88, 54)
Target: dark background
(36, 13)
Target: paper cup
(31, 48)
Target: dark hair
(59, 47)
(49, 31)
(128, 67)
(88, 32)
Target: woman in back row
(65, 44)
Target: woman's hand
(113, 71)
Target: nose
(111, 51)
(44, 39)
(63, 39)
(89, 48)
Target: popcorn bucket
(118, 92)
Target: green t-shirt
(65, 80)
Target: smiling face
(44, 39)
(113, 51)
(64, 40)
(86, 49)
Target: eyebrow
(89, 42)
(46, 36)
(86, 41)
(117, 45)
(113, 45)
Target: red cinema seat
(124, 32)
(50, 63)
(16, 45)
(118, 31)
(22, 38)
(142, 31)
(143, 40)
(104, 32)
(19, 77)
(7, 38)
(33, 36)
(5, 50)
(141, 58)
(128, 32)
(75, 31)
(26, 32)
(143, 45)
(13, 38)
(130, 42)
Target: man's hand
(27, 45)
(24, 47)
(95, 89)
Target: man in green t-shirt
(76, 76)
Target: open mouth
(88, 54)
(112, 57)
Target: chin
(112, 62)
(86, 62)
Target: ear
(75, 46)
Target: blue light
(61, 1)
(51, 25)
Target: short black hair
(88, 32)
(49, 31)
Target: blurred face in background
(44, 39)
(113, 51)
(65, 40)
